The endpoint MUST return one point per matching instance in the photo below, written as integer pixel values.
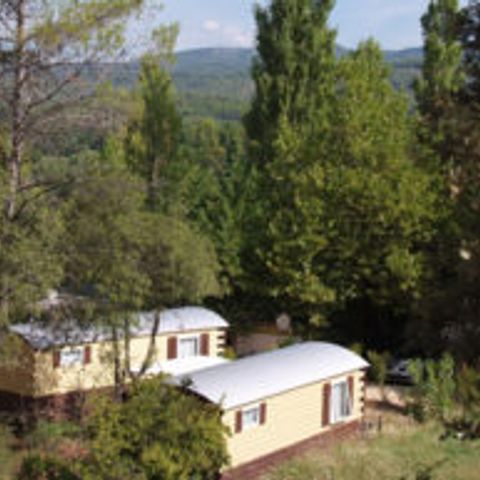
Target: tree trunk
(18, 104)
(150, 352)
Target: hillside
(216, 81)
(225, 72)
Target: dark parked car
(398, 372)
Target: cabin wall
(291, 418)
(99, 372)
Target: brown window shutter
(205, 344)
(327, 392)
(172, 348)
(351, 389)
(87, 355)
(56, 358)
(263, 414)
(238, 421)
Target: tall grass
(414, 453)
(8, 458)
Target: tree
(126, 258)
(380, 207)
(288, 126)
(470, 39)
(292, 71)
(442, 78)
(448, 316)
(152, 139)
(39, 42)
(45, 49)
(159, 432)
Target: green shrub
(379, 367)
(159, 432)
(47, 435)
(451, 396)
(230, 353)
(434, 388)
(37, 467)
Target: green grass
(401, 453)
(8, 457)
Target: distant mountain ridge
(217, 81)
(240, 59)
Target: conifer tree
(152, 138)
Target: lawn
(403, 451)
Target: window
(71, 356)
(251, 418)
(341, 404)
(188, 347)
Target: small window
(71, 356)
(251, 418)
(341, 405)
(188, 347)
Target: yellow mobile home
(55, 367)
(278, 402)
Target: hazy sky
(213, 23)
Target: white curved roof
(184, 319)
(261, 376)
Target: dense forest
(340, 190)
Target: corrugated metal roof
(183, 319)
(261, 376)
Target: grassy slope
(9, 458)
(403, 452)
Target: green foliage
(468, 397)
(345, 213)
(378, 366)
(130, 256)
(288, 125)
(151, 140)
(159, 432)
(403, 452)
(435, 388)
(47, 435)
(380, 207)
(470, 39)
(37, 467)
(30, 262)
(210, 185)
(449, 395)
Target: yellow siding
(16, 367)
(100, 372)
(292, 416)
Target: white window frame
(251, 417)
(340, 415)
(72, 356)
(189, 338)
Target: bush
(443, 393)
(47, 435)
(434, 388)
(37, 467)
(379, 367)
(159, 432)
